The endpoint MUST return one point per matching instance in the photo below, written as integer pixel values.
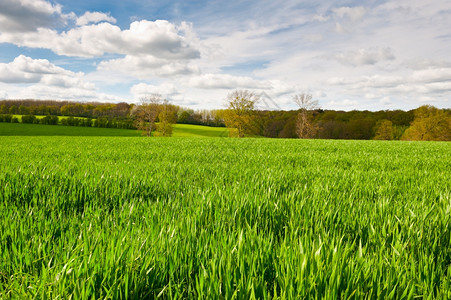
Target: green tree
(13, 109)
(23, 110)
(4, 109)
(147, 113)
(167, 117)
(429, 124)
(384, 130)
(240, 111)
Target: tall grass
(137, 218)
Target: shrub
(6, 118)
(49, 120)
(30, 119)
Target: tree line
(156, 115)
(110, 111)
(426, 123)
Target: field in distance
(180, 130)
(213, 218)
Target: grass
(180, 130)
(187, 130)
(211, 218)
(20, 129)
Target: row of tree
(102, 122)
(309, 121)
(154, 114)
(65, 108)
(108, 110)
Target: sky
(363, 55)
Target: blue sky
(348, 54)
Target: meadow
(179, 130)
(215, 218)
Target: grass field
(211, 218)
(180, 130)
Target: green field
(180, 130)
(212, 218)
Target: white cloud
(432, 75)
(352, 13)
(143, 89)
(94, 17)
(27, 70)
(314, 37)
(3, 95)
(321, 18)
(161, 39)
(348, 17)
(363, 57)
(346, 103)
(226, 81)
(29, 15)
(340, 28)
(39, 78)
(412, 89)
(386, 101)
(148, 66)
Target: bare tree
(147, 113)
(240, 111)
(304, 126)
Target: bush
(49, 120)
(30, 119)
(101, 122)
(87, 122)
(6, 118)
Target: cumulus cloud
(226, 81)
(363, 56)
(160, 38)
(431, 84)
(42, 74)
(29, 15)
(143, 89)
(148, 66)
(27, 70)
(94, 17)
(432, 75)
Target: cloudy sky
(369, 54)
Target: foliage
(430, 124)
(146, 114)
(384, 130)
(240, 112)
(30, 119)
(49, 120)
(136, 218)
(324, 124)
(213, 118)
(66, 108)
(167, 117)
(6, 118)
